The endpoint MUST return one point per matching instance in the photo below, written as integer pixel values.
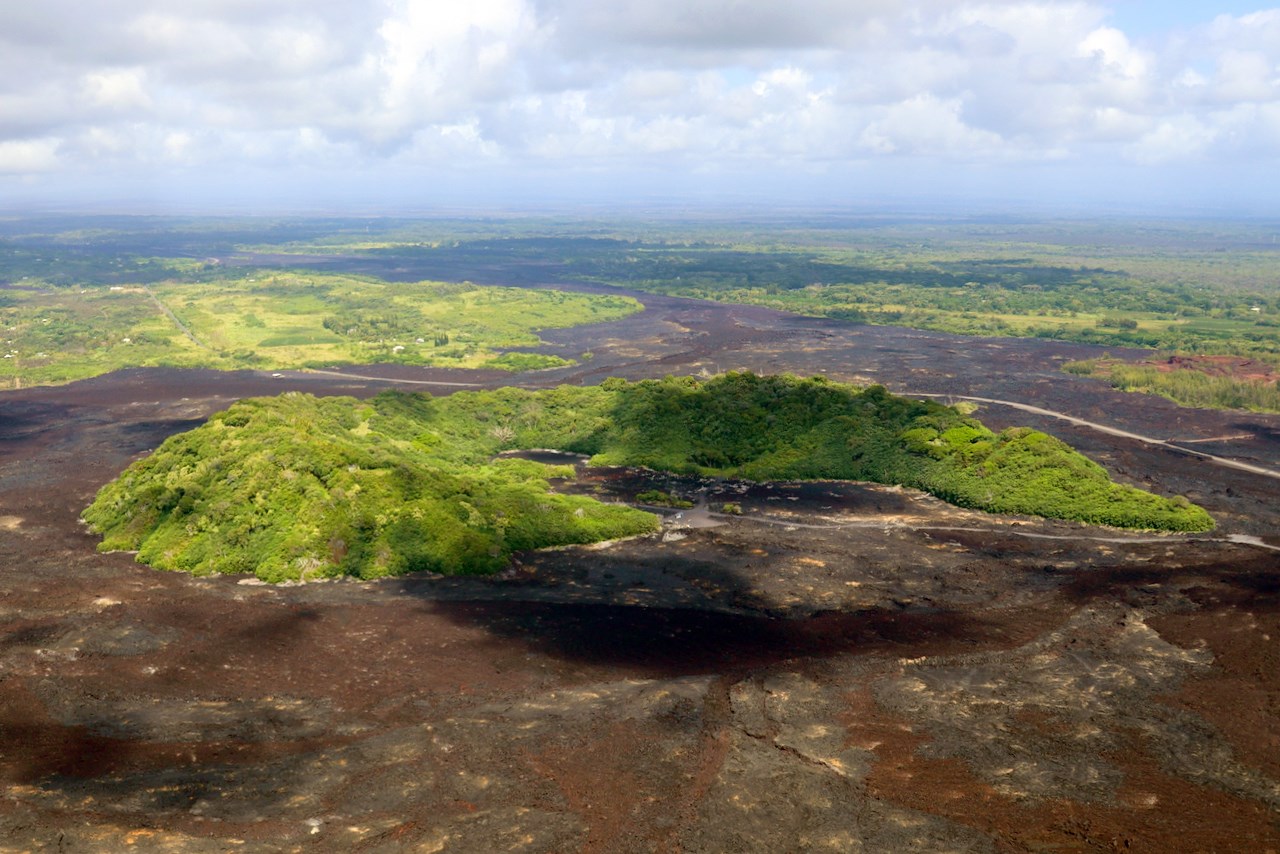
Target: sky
(401, 106)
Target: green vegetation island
(299, 488)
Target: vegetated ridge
(302, 487)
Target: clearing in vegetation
(301, 487)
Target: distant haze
(404, 106)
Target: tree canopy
(302, 487)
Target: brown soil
(1236, 367)
(842, 667)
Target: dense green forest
(303, 487)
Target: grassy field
(57, 335)
(279, 320)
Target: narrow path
(1248, 540)
(173, 317)
(387, 379)
(1213, 439)
(1111, 431)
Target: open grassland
(279, 320)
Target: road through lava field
(841, 667)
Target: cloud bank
(124, 90)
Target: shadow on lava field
(669, 642)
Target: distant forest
(1185, 286)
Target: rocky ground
(841, 667)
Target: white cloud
(1115, 124)
(653, 85)
(1174, 139)
(177, 145)
(117, 89)
(668, 84)
(27, 156)
(1116, 56)
(718, 26)
(1245, 76)
(925, 125)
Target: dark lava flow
(843, 666)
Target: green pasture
(279, 320)
(54, 336)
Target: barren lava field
(844, 667)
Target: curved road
(1112, 431)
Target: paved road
(394, 380)
(1112, 431)
(173, 317)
